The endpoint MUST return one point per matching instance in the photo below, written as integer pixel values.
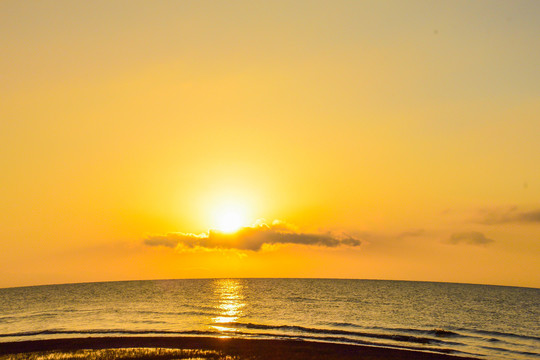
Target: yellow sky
(395, 140)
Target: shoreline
(243, 348)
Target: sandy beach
(222, 348)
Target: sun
(229, 218)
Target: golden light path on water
(231, 301)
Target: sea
(482, 321)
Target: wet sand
(237, 348)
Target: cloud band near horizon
(250, 238)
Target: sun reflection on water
(231, 301)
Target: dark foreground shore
(229, 348)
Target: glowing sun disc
(229, 219)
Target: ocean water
(491, 322)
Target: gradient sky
(390, 139)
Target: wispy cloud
(512, 215)
(470, 238)
(411, 233)
(251, 238)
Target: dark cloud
(251, 238)
(510, 216)
(471, 238)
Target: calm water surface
(491, 322)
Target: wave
(503, 334)
(490, 336)
(435, 332)
(302, 329)
(511, 351)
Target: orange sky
(392, 140)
